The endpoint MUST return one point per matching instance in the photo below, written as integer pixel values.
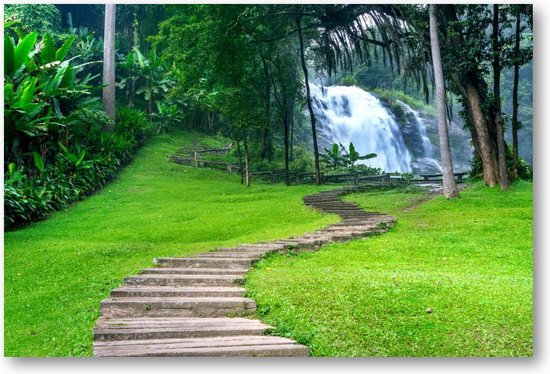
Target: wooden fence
(298, 178)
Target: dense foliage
(56, 150)
(240, 70)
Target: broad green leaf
(129, 60)
(72, 158)
(80, 157)
(47, 53)
(335, 150)
(8, 93)
(369, 156)
(9, 56)
(64, 49)
(38, 161)
(56, 107)
(11, 23)
(141, 58)
(23, 49)
(28, 93)
(352, 149)
(56, 81)
(68, 78)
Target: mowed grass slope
(453, 278)
(57, 271)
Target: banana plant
(167, 115)
(333, 158)
(39, 82)
(354, 156)
(340, 157)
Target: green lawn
(57, 271)
(469, 260)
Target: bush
(57, 151)
(89, 159)
(43, 18)
(348, 80)
(86, 127)
(132, 123)
(525, 171)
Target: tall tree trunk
(267, 143)
(501, 144)
(470, 84)
(240, 157)
(308, 101)
(515, 124)
(291, 136)
(109, 105)
(449, 185)
(246, 160)
(286, 143)
(486, 150)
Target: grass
(409, 100)
(57, 271)
(453, 278)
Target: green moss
(468, 260)
(390, 96)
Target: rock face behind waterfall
(404, 139)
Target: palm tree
(449, 185)
(109, 63)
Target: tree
(308, 101)
(515, 124)
(109, 104)
(467, 45)
(519, 55)
(501, 145)
(285, 88)
(41, 18)
(449, 186)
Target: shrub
(132, 123)
(43, 18)
(348, 80)
(525, 170)
(86, 127)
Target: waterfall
(350, 114)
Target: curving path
(195, 306)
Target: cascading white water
(427, 145)
(352, 115)
(425, 161)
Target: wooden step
(233, 255)
(204, 262)
(115, 307)
(185, 280)
(145, 328)
(165, 291)
(231, 346)
(237, 271)
(254, 248)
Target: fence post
(196, 158)
(356, 179)
(229, 168)
(387, 178)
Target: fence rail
(298, 178)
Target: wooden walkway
(196, 306)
